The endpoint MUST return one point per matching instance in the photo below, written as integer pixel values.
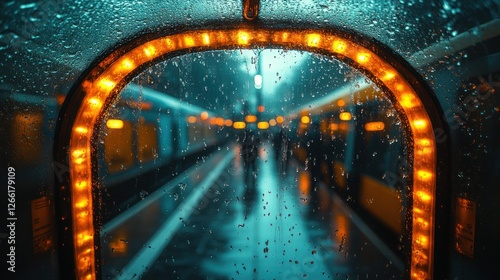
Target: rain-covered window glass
(253, 164)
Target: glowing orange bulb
(106, 84)
(420, 124)
(374, 126)
(78, 153)
(239, 125)
(280, 119)
(243, 38)
(149, 51)
(424, 175)
(228, 122)
(262, 125)
(425, 197)
(389, 75)
(313, 40)
(345, 116)
(339, 46)
(114, 124)
(305, 119)
(191, 119)
(127, 63)
(408, 100)
(79, 160)
(81, 204)
(188, 41)
(340, 103)
(81, 185)
(250, 118)
(95, 102)
(363, 57)
(272, 122)
(204, 116)
(206, 38)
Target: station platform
(216, 222)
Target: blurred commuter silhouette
(249, 152)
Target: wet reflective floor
(266, 224)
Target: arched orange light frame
(105, 81)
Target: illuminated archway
(84, 109)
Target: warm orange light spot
(280, 119)
(260, 109)
(408, 100)
(422, 241)
(340, 103)
(82, 215)
(345, 116)
(78, 153)
(212, 121)
(114, 124)
(389, 75)
(272, 122)
(188, 41)
(206, 38)
(304, 186)
(149, 51)
(425, 197)
(399, 87)
(170, 43)
(81, 185)
(363, 57)
(417, 210)
(262, 125)
(219, 121)
(285, 36)
(420, 124)
(424, 142)
(334, 126)
(422, 222)
(228, 122)
(191, 119)
(84, 238)
(204, 116)
(239, 125)
(374, 126)
(243, 38)
(424, 175)
(79, 160)
(313, 40)
(250, 119)
(106, 84)
(339, 46)
(82, 203)
(127, 64)
(305, 119)
(94, 102)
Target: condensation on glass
(303, 133)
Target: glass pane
(253, 164)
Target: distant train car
(355, 145)
(145, 145)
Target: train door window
(342, 110)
